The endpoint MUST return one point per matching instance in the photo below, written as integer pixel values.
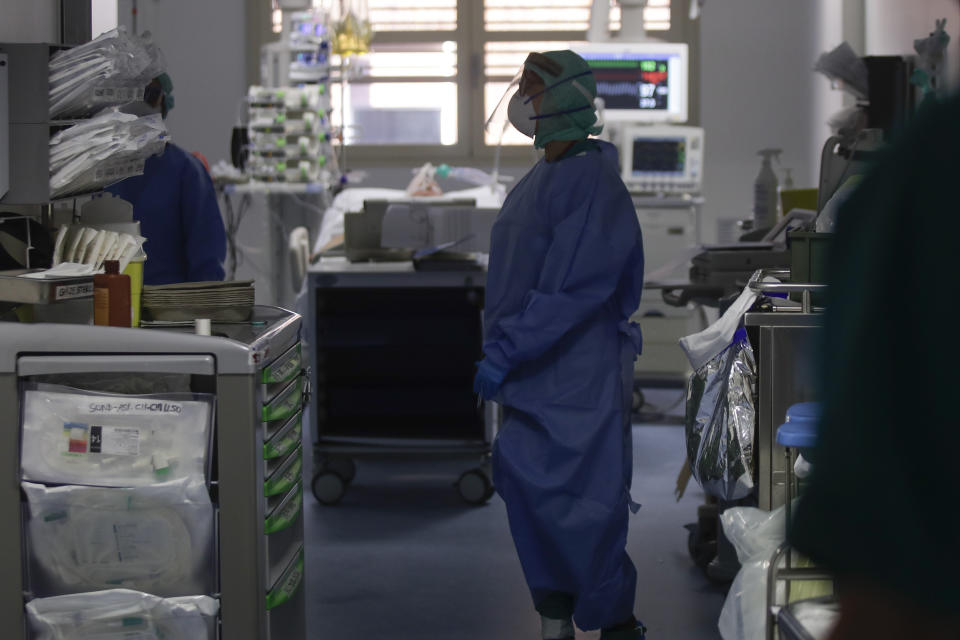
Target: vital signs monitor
(662, 158)
(640, 82)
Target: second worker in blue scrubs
(565, 275)
(176, 204)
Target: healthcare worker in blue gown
(176, 205)
(565, 274)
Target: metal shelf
(30, 126)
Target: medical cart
(787, 340)
(393, 350)
(255, 372)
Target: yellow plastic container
(791, 199)
(135, 271)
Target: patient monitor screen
(632, 83)
(659, 156)
(646, 84)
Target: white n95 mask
(522, 115)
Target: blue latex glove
(488, 380)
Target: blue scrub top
(176, 205)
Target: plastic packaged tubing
(122, 614)
(157, 539)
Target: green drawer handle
(288, 586)
(286, 404)
(283, 443)
(284, 368)
(286, 478)
(286, 515)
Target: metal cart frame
(787, 334)
(335, 469)
(784, 336)
(775, 613)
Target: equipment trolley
(394, 351)
(253, 372)
(786, 339)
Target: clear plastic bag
(107, 148)
(111, 70)
(720, 419)
(843, 66)
(73, 437)
(157, 539)
(755, 534)
(818, 618)
(122, 614)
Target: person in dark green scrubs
(881, 506)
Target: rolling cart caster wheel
(702, 550)
(328, 487)
(346, 468)
(475, 487)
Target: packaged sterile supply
(73, 242)
(105, 149)
(122, 614)
(73, 437)
(157, 539)
(110, 70)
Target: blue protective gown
(565, 274)
(176, 205)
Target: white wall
(29, 21)
(203, 41)
(891, 26)
(758, 90)
(103, 16)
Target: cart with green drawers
(257, 374)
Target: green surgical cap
(564, 96)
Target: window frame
(471, 37)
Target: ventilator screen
(658, 156)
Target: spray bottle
(766, 196)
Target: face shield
(529, 87)
(498, 120)
(540, 76)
